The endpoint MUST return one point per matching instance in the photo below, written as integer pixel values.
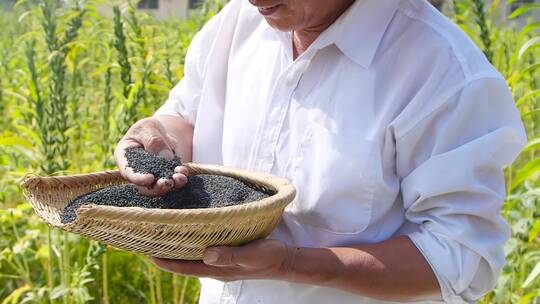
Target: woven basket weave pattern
(172, 234)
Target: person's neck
(303, 38)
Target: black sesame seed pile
(201, 191)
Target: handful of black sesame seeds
(142, 161)
(201, 191)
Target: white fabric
(391, 123)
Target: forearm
(391, 270)
(181, 132)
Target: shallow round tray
(165, 233)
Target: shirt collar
(359, 31)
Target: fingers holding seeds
(161, 187)
(147, 157)
(180, 176)
(160, 168)
(181, 170)
(139, 179)
(122, 163)
(180, 180)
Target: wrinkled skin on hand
(261, 259)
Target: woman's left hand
(261, 259)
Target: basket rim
(285, 193)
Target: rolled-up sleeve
(451, 161)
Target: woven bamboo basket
(165, 233)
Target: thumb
(257, 254)
(223, 256)
(154, 141)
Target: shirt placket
(283, 92)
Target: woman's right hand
(150, 134)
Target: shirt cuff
(423, 241)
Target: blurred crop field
(72, 81)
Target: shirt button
(289, 82)
(268, 152)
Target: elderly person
(391, 124)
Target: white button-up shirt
(391, 123)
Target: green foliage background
(72, 81)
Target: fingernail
(211, 256)
(167, 154)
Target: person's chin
(279, 25)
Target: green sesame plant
(480, 19)
(73, 80)
(509, 40)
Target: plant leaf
(534, 231)
(16, 295)
(526, 97)
(534, 273)
(527, 171)
(58, 292)
(532, 145)
(524, 9)
(528, 45)
(529, 28)
(12, 141)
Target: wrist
(318, 266)
(286, 270)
